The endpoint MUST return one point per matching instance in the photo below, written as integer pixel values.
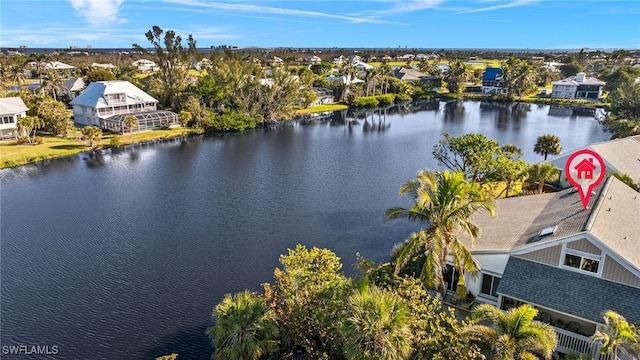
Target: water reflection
(505, 114)
(454, 111)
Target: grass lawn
(53, 147)
(321, 108)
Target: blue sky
(507, 24)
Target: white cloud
(401, 7)
(98, 12)
(511, 4)
(258, 9)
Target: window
(490, 285)
(581, 263)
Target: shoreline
(74, 147)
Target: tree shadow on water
(189, 344)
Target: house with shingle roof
(571, 263)
(621, 155)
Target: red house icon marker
(585, 169)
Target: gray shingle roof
(12, 105)
(612, 217)
(577, 294)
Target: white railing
(570, 342)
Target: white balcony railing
(569, 342)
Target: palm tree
(617, 334)
(539, 173)
(547, 144)
(512, 334)
(244, 328)
(444, 201)
(378, 326)
(130, 122)
(459, 72)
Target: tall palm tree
(512, 334)
(539, 173)
(378, 326)
(547, 144)
(459, 72)
(444, 201)
(244, 328)
(618, 334)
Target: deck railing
(570, 342)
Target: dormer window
(582, 263)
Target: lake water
(124, 254)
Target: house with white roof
(11, 110)
(570, 263)
(313, 59)
(106, 103)
(145, 65)
(578, 87)
(104, 66)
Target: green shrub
(367, 101)
(232, 121)
(386, 99)
(114, 141)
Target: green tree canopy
(308, 299)
(512, 334)
(444, 203)
(547, 144)
(57, 119)
(470, 153)
(91, 134)
(618, 334)
(98, 74)
(245, 329)
(540, 173)
(377, 326)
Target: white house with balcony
(106, 103)
(11, 110)
(570, 263)
(578, 87)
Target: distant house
(362, 67)
(106, 103)
(325, 96)
(491, 81)
(145, 65)
(275, 61)
(103, 66)
(339, 60)
(578, 87)
(353, 59)
(570, 263)
(61, 69)
(202, 64)
(11, 110)
(74, 86)
(313, 59)
(410, 75)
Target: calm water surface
(123, 255)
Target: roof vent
(548, 231)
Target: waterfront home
(578, 87)
(106, 104)
(325, 96)
(103, 66)
(621, 155)
(570, 263)
(11, 110)
(410, 75)
(491, 81)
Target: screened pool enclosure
(150, 120)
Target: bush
(114, 141)
(367, 101)
(386, 99)
(232, 121)
(37, 140)
(22, 140)
(403, 97)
